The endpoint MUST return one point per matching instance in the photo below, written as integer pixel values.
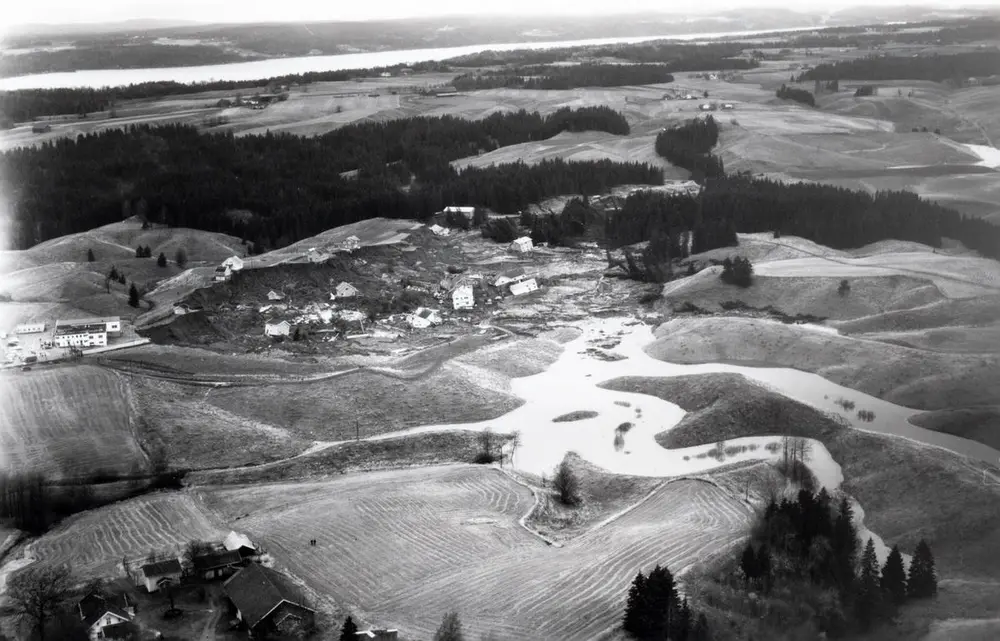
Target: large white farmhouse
(277, 329)
(86, 332)
(463, 297)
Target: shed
(346, 290)
(521, 245)
(160, 574)
(438, 230)
(266, 601)
(423, 318)
(277, 329)
(215, 565)
(523, 287)
(241, 543)
(273, 295)
(222, 273)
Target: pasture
(448, 539)
(67, 422)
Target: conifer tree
(763, 564)
(748, 563)
(682, 629)
(699, 631)
(90, 256)
(148, 252)
(349, 631)
(133, 296)
(139, 252)
(894, 579)
(161, 260)
(180, 257)
(450, 629)
(868, 606)
(922, 581)
(845, 547)
(632, 622)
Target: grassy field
(714, 408)
(415, 450)
(179, 360)
(194, 434)
(67, 421)
(979, 311)
(465, 551)
(977, 423)
(94, 542)
(521, 358)
(378, 403)
(905, 376)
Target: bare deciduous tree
(36, 595)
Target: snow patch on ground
(989, 156)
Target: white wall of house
(523, 287)
(29, 328)
(83, 339)
(463, 298)
(277, 329)
(109, 618)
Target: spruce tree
(133, 296)
(699, 631)
(923, 578)
(894, 578)
(763, 564)
(682, 626)
(748, 563)
(349, 631)
(632, 622)
(161, 260)
(180, 257)
(148, 252)
(451, 628)
(139, 252)
(90, 256)
(845, 547)
(868, 606)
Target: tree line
(811, 541)
(553, 77)
(27, 104)
(936, 67)
(654, 610)
(690, 145)
(292, 186)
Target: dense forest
(132, 56)
(798, 95)
(26, 104)
(937, 68)
(690, 145)
(291, 185)
(813, 576)
(566, 77)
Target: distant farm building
(386, 74)
(424, 318)
(216, 565)
(266, 602)
(30, 328)
(277, 329)
(728, 106)
(317, 256)
(351, 243)
(523, 287)
(41, 128)
(521, 245)
(273, 295)
(446, 91)
(462, 297)
(376, 634)
(707, 106)
(438, 230)
(241, 543)
(346, 290)
(157, 575)
(468, 211)
(508, 276)
(99, 613)
(222, 273)
(234, 263)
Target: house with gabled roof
(521, 245)
(266, 602)
(217, 564)
(508, 276)
(284, 328)
(523, 287)
(234, 263)
(273, 295)
(346, 290)
(99, 613)
(423, 318)
(463, 297)
(160, 574)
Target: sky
(19, 12)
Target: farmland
(465, 551)
(67, 422)
(95, 542)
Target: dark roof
(94, 606)
(161, 568)
(216, 560)
(256, 591)
(127, 630)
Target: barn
(266, 602)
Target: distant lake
(285, 66)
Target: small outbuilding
(438, 230)
(283, 328)
(216, 565)
(273, 295)
(423, 318)
(241, 543)
(346, 290)
(523, 287)
(222, 273)
(521, 245)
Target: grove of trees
(566, 77)
(690, 145)
(798, 95)
(654, 610)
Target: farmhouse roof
(89, 321)
(235, 541)
(161, 568)
(214, 560)
(94, 606)
(257, 591)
